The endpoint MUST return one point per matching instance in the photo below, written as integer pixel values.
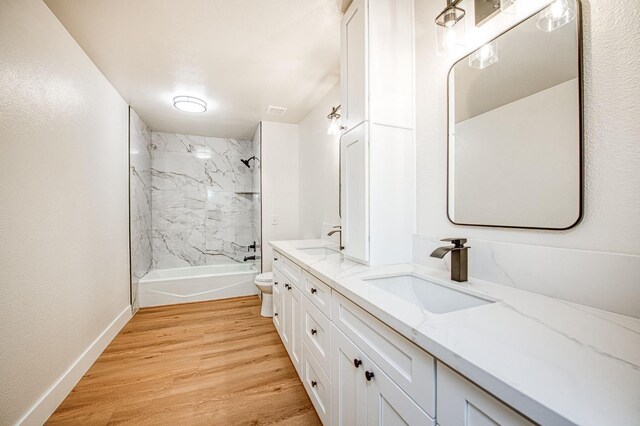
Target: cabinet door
(295, 321)
(388, 405)
(285, 319)
(355, 193)
(462, 403)
(353, 64)
(348, 382)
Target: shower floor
(215, 362)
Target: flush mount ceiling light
(485, 56)
(450, 27)
(559, 13)
(334, 118)
(189, 104)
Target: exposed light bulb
(557, 9)
(557, 14)
(334, 126)
(450, 38)
(485, 52)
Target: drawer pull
(368, 375)
(314, 383)
(357, 362)
(313, 291)
(314, 331)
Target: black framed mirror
(515, 126)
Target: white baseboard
(53, 397)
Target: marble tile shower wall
(140, 202)
(203, 200)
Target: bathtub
(196, 284)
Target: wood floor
(213, 363)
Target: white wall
(64, 268)
(319, 154)
(279, 185)
(612, 150)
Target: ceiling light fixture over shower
(334, 118)
(189, 104)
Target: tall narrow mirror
(514, 156)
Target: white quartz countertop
(554, 361)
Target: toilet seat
(265, 277)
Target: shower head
(246, 162)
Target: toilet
(264, 282)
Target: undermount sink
(317, 251)
(431, 297)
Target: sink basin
(431, 297)
(317, 251)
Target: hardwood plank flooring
(207, 363)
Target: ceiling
(239, 56)
(530, 60)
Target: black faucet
(251, 258)
(459, 257)
(253, 247)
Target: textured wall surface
(140, 201)
(202, 200)
(611, 138)
(64, 267)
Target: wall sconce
(557, 14)
(334, 118)
(450, 27)
(485, 56)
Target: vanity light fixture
(485, 56)
(189, 104)
(334, 118)
(557, 14)
(450, 28)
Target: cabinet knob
(275, 283)
(357, 362)
(314, 331)
(368, 375)
(275, 314)
(314, 383)
(313, 291)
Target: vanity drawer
(277, 260)
(316, 333)
(292, 272)
(318, 292)
(460, 402)
(411, 368)
(278, 285)
(317, 384)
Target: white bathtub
(197, 283)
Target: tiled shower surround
(205, 201)
(140, 196)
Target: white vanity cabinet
(287, 304)
(377, 147)
(359, 371)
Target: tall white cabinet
(377, 145)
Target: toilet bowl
(264, 282)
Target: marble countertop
(554, 361)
